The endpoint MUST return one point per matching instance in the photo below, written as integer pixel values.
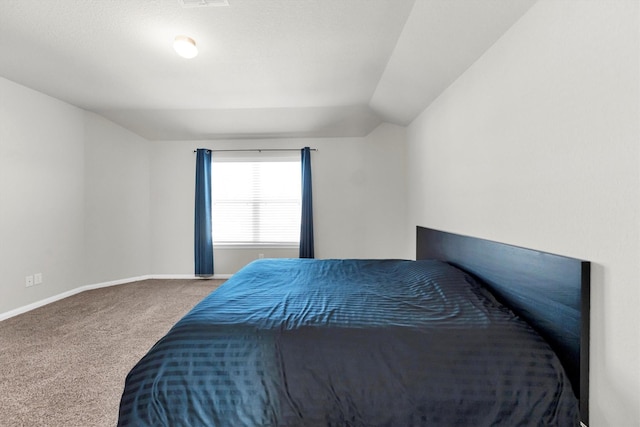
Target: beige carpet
(64, 364)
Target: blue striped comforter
(349, 343)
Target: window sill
(256, 246)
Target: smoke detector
(204, 3)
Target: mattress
(301, 342)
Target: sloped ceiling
(265, 68)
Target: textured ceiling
(265, 67)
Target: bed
(472, 332)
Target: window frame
(261, 156)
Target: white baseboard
(37, 304)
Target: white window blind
(256, 202)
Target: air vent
(204, 3)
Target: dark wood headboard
(550, 292)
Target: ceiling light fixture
(185, 46)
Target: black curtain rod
(262, 149)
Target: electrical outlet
(37, 279)
(28, 281)
(260, 256)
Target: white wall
(41, 195)
(74, 198)
(117, 186)
(384, 213)
(537, 145)
(359, 208)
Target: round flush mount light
(185, 46)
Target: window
(256, 201)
